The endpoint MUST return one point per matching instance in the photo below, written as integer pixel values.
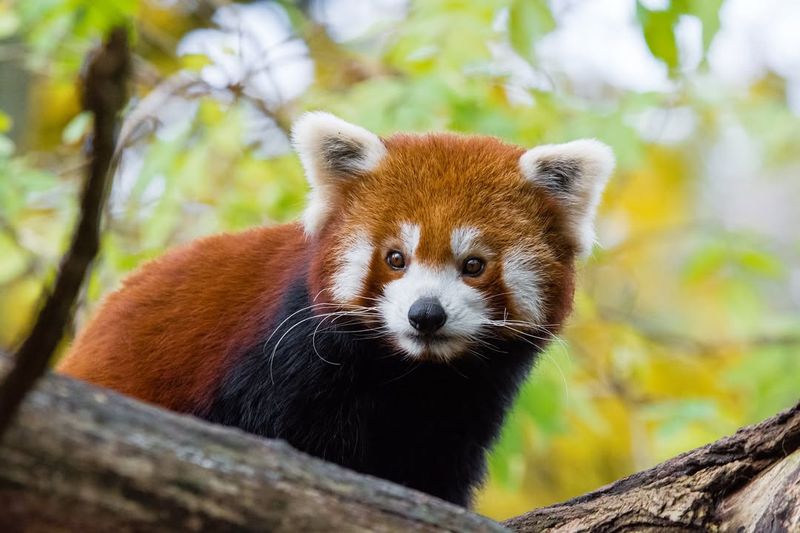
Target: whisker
(272, 356)
(277, 344)
(278, 327)
(314, 343)
(401, 376)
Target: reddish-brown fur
(167, 336)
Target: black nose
(427, 315)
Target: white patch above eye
(348, 279)
(463, 240)
(409, 235)
(522, 281)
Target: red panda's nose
(427, 315)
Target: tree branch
(79, 458)
(104, 95)
(721, 485)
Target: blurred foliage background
(687, 319)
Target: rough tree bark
(78, 458)
(749, 481)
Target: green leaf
(658, 30)
(75, 130)
(9, 24)
(760, 263)
(708, 13)
(674, 415)
(509, 450)
(543, 403)
(14, 260)
(195, 62)
(706, 263)
(5, 122)
(705, 10)
(528, 21)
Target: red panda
(390, 330)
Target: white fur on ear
(576, 173)
(331, 151)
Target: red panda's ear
(332, 151)
(576, 174)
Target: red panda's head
(442, 242)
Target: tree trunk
(78, 458)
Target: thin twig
(105, 92)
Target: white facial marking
(465, 307)
(521, 279)
(409, 235)
(462, 241)
(348, 280)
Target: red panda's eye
(473, 267)
(396, 260)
